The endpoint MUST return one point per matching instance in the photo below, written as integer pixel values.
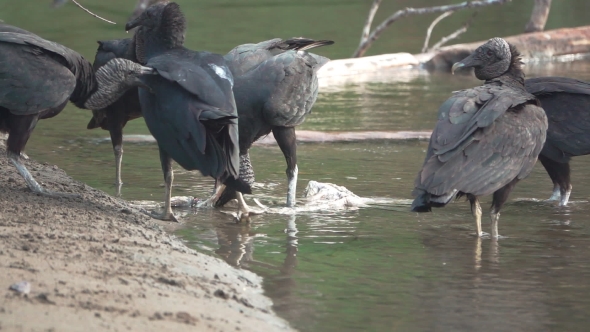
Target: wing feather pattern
(197, 124)
(483, 140)
(566, 102)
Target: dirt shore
(93, 263)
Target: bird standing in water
(566, 102)
(191, 111)
(115, 116)
(486, 139)
(38, 78)
(276, 86)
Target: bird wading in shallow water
(191, 112)
(38, 78)
(275, 88)
(486, 139)
(566, 102)
(115, 116)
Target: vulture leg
(499, 198)
(556, 194)
(494, 217)
(21, 128)
(243, 208)
(565, 196)
(560, 175)
(247, 175)
(117, 141)
(285, 137)
(167, 214)
(218, 190)
(476, 210)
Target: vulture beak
(456, 66)
(148, 71)
(133, 24)
(470, 61)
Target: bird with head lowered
(37, 79)
(190, 110)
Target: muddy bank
(94, 263)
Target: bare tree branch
(367, 28)
(432, 25)
(448, 38)
(419, 11)
(91, 13)
(538, 16)
(453, 35)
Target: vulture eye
(489, 53)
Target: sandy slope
(95, 264)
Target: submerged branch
(419, 11)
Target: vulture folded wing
(29, 64)
(566, 102)
(481, 142)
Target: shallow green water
(378, 268)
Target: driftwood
(310, 136)
(534, 47)
(565, 44)
(538, 16)
(367, 41)
(447, 38)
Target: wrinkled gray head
(114, 79)
(163, 23)
(150, 18)
(490, 60)
(162, 15)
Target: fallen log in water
(561, 44)
(310, 136)
(565, 44)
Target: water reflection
(481, 293)
(236, 246)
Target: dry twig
(372, 13)
(419, 11)
(538, 16)
(453, 35)
(91, 13)
(431, 27)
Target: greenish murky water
(378, 268)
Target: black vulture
(275, 88)
(114, 117)
(264, 98)
(38, 77)
(191, 112)
(486, 139)
(566, 102)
